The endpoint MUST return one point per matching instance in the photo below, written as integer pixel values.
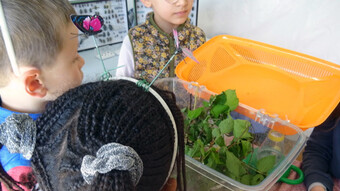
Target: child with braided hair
(110, 135)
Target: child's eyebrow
(73, 35)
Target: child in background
(321, 157)
(109, 135)
(148, 47)
(45, 44)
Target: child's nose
(182, 2)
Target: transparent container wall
(201, 177)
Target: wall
(307, 26)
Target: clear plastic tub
(201, 177)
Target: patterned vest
(152, 47)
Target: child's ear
(33, 83)
(146, 3)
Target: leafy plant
(207, 129)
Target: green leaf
(257, 179)
(265, 164)
(193, 114)
(212, 99)
(220, 141)
(222, 153)
(216, 132)
(220, 99)
(186, 122)
(233, 176)
(241, 128)
(202, 151)
(246, 148)
(216, 110)
(227, 125)
(192, 152)
(193, 135)
(211, 162)
(186, 149)
(232, 100)
(236, 148)
(212, 123)
(207, 132)
(213, 159)
(196, 150)
(242, 170)
(233, 164)
(205, 104)
(200, 143)
(246, 179)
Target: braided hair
(83, 119)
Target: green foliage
(265, 164)
(206, 129)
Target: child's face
(169, 14)
(66, 72)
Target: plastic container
(272, 145)
(200, 177)
(299, 88)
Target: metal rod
(8, 42)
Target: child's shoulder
(194, 29)
(140, 26)
(198, 30)
(138, 30)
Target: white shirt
(126, 59)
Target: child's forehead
(68, 42)
(70, 36)
(71, 31)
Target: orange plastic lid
(299, 88)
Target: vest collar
(182, 29)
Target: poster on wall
(114, 13)
(142, 11)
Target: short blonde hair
(35, 28)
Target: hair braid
(82, 120)
(8, 181)
(170, 98)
